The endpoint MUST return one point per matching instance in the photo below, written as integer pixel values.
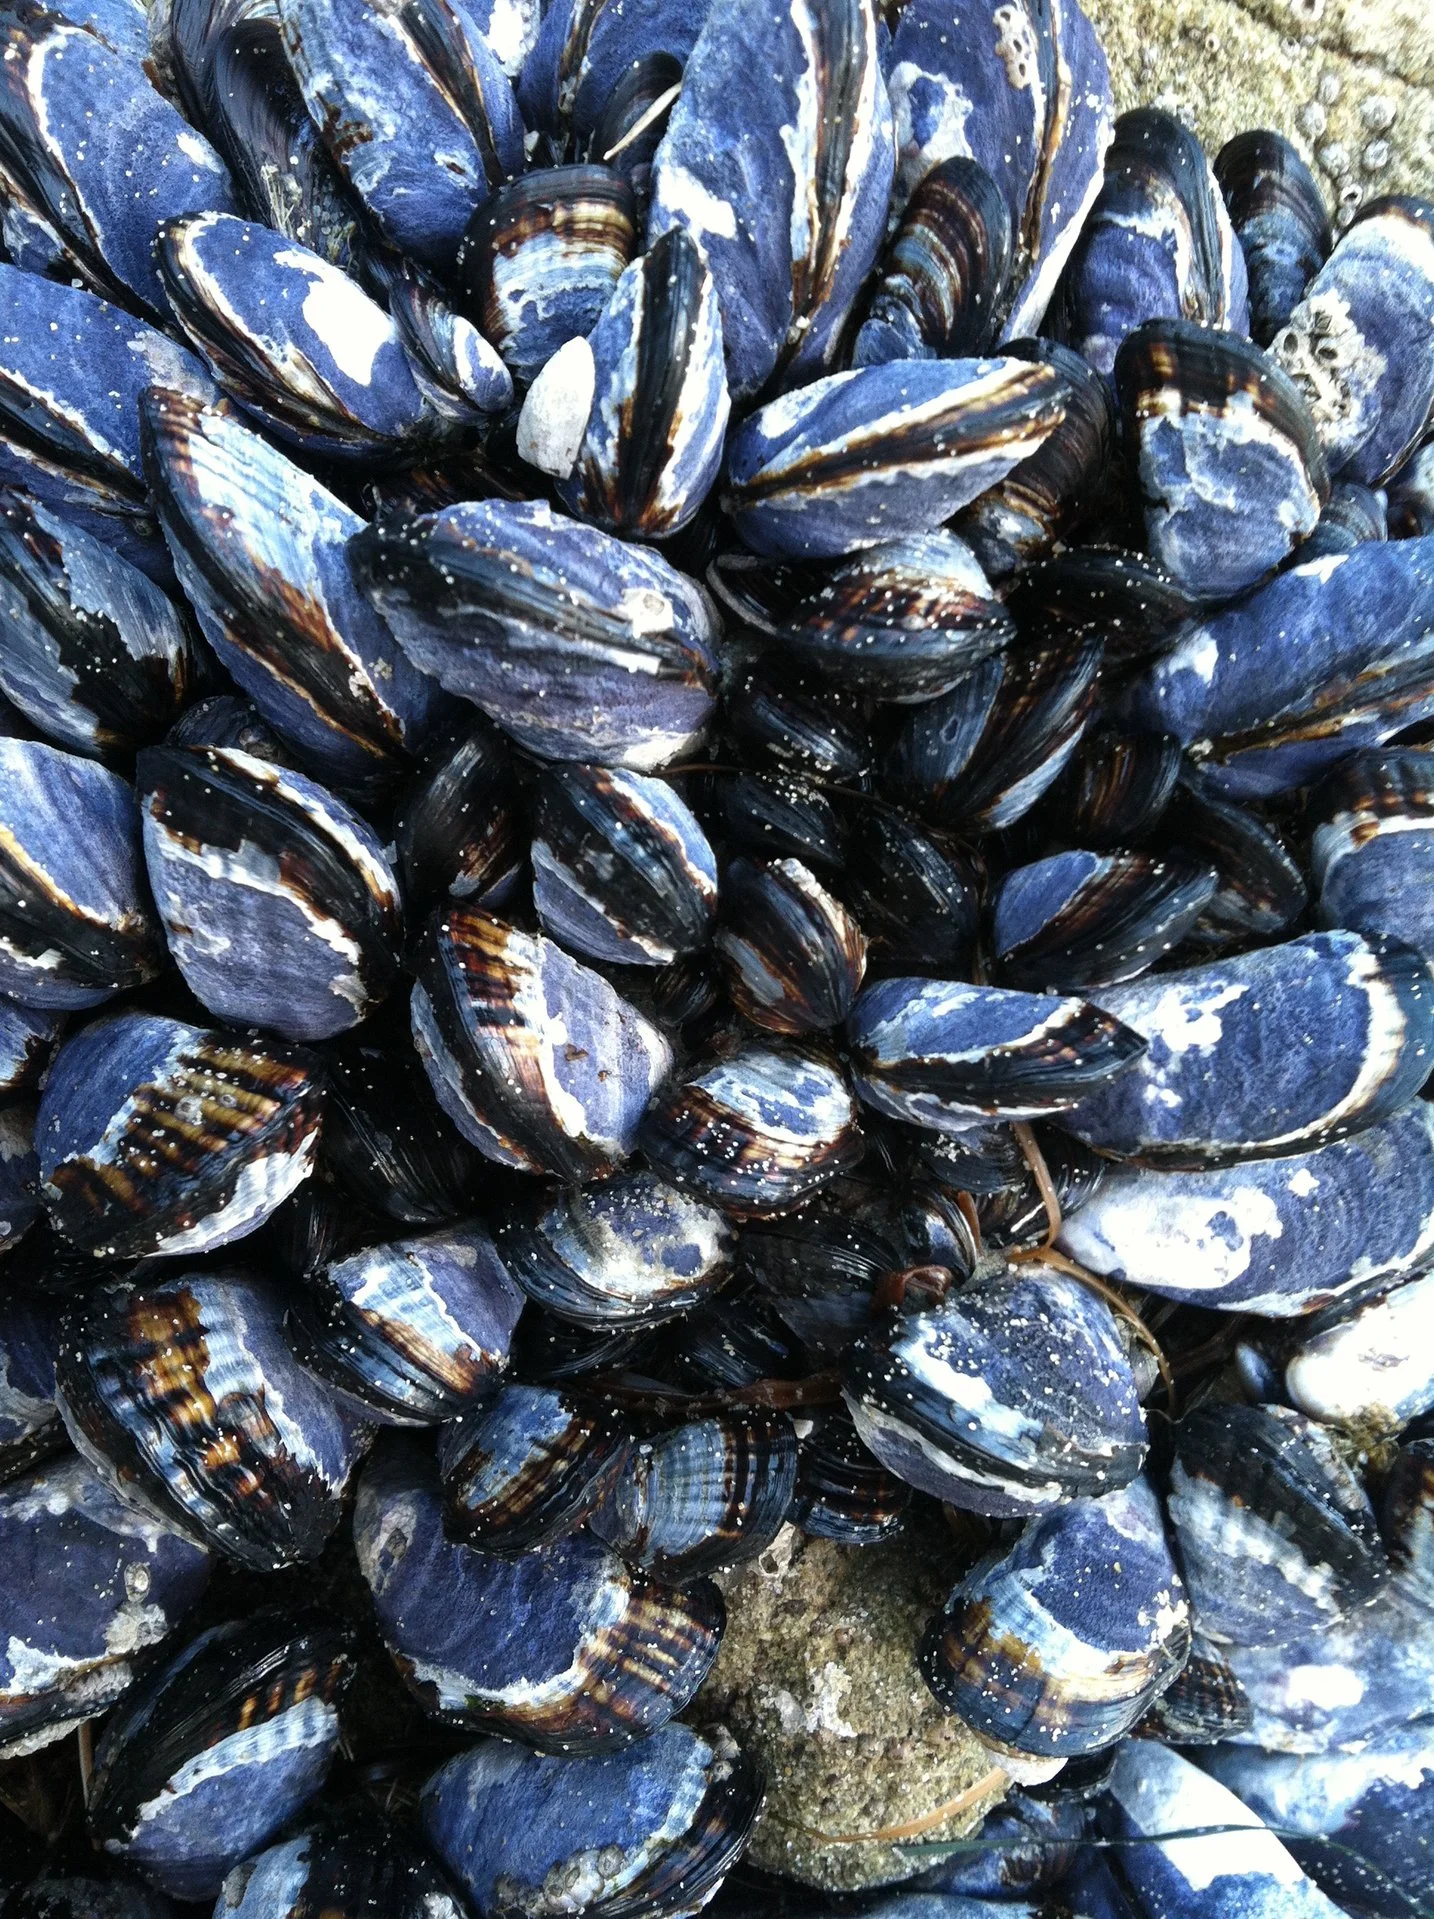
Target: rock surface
(817, 1677)
(1351, 82)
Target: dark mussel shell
(795, 957)
(1117, 786)
(1231, 1072)
(622, 871)
(983, 754)
(1076, 920)
(1372, 848)
(415, 1332)
(964, 1402)
(736, 1339)
(1026, 1846)
(1016, 1213)
(217, 1750)
(564, 1648)
(1127, 599)
(631, 1251)
(95, 656)
(460, 374)
(939, 1053)
(541, 257)
(842, 1493)
(29, 1340)
(781, 815)
(941, 286)
(1353, 514)
(533, 1057)
(90, 1586)
(185, 1395)
(1057, 1648)
(1262, 890)
(75, 1897)
(1404, 508)
(1279, 217)
(782, 718)
(20, 1203)
(1203, 1705)
(387, 1140)
(634, 117)
(579, 646)
(75, 926)
(527, 1469)
(755, 1133)
(28, 1037)
(914, 890)
(278, 905)
(650, 1831)
(1276, 1535)
(345, 1869)
(1045, 498)
(703, 1495)
(459, 827)
(228, 719)
(157, 1137)
(820, 1269)
(1231, 470)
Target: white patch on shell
(1161, 1230)
(1377, 1364)
(1162, 1792)
(353, 328)
(915, 161)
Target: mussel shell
(228, 719)
(90, 1585)
(1371, 852)
(157, 1137)
(941, 285)
(541, 257)
(842, 1493)
(883, 452)
(580, 647)
(260, 549)
(1407, 500)
(738, 1338)
(965, 1402)
(95, 656)
(1128, 599)
(1043, 500)
(29, 1339)
(622, 871)
(219, 1748)
(940, 1054)
(1262, 889)
(983, 754)
(455, 367)
(28, 1036)
(583, 53)
(795, 956)
(415, 1332)
(458, 827)
(820, 1269)
(1026, 1846)
(782, 815)
(1353, 514)
(1275, 1533)
(75, 927)
(914, 891)
(1117, 786)
(652, 1831)
(631, 1251)
(278, 904)
(1231, 1072)
(1279, 217)
(75, 1897)
(19, 1174)
(755, 1133)
(1016, 1214)
(345, 1869)
(703, 1495)
(1203, 1704)
(1077, 920)
(563, 1648)
(1058, 1647)
(1367, 1365)
(184, 1394)
(1407, 1517)
(527, 1469)
(1230, 464)
(533, 1057)
(634, 118)
(798, 721)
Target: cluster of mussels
(712, 819)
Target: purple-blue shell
(261, 549)
(1269, 1053)
(966, 1403)
(185, 1396)
(359, 1866)
(1277, 1236)
(778, 162)
(27, 1039)
(1372, 853)
(883, 451)
(579, 646)
(1073, 920)
(585, 48)
(1361, 342)
(90, 1585)
(564, 1648)
(652, 1830)
(29, 1340)
(943, 1054)
(1272, 691)
(106, 158)
(278, 905)
(1025, 90)
(1058, 1646)
(535, 1058)
(416, 1332)
(527, 1468)
(390, 91)
(76, 926)
(158, 1137)
(1245, 1873)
